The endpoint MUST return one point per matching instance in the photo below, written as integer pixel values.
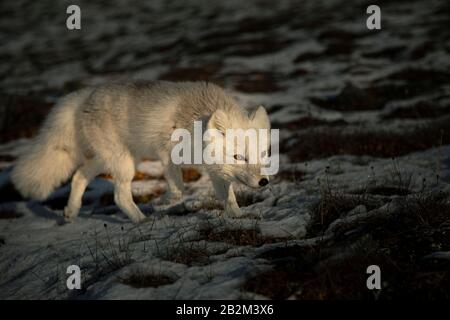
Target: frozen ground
(364, 118)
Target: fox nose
(263, 182)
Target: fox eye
(239, 157)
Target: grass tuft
(143, 279)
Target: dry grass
(211, 203)
(408, 83)
(308, 122)
(398, 243)
(332, 204)
(138, 176)
(143, 279)
(313, 144)
(107, 199)
(205, 72)
(353, 98)
(111, 252)
(188, 253)
(9, 214)
(419, 110)
(256, 81)
(107, 254)
(384, 191)
(290, 175)
(190, 175)
(146, 198)
(239, 237)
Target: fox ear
(219, 120)
(260, 118)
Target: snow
(38, 247)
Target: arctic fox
(109, 128)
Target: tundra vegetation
(364, 119)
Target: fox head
(245, 144)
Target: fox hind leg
(124, 199)
(123, 175)
(174, 179)
(80, 181)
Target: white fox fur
(109, 128)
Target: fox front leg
(175, 185)
(224, 191)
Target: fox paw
(232, 211)
(138, 219)
(70, 214)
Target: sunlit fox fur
(109, 128)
